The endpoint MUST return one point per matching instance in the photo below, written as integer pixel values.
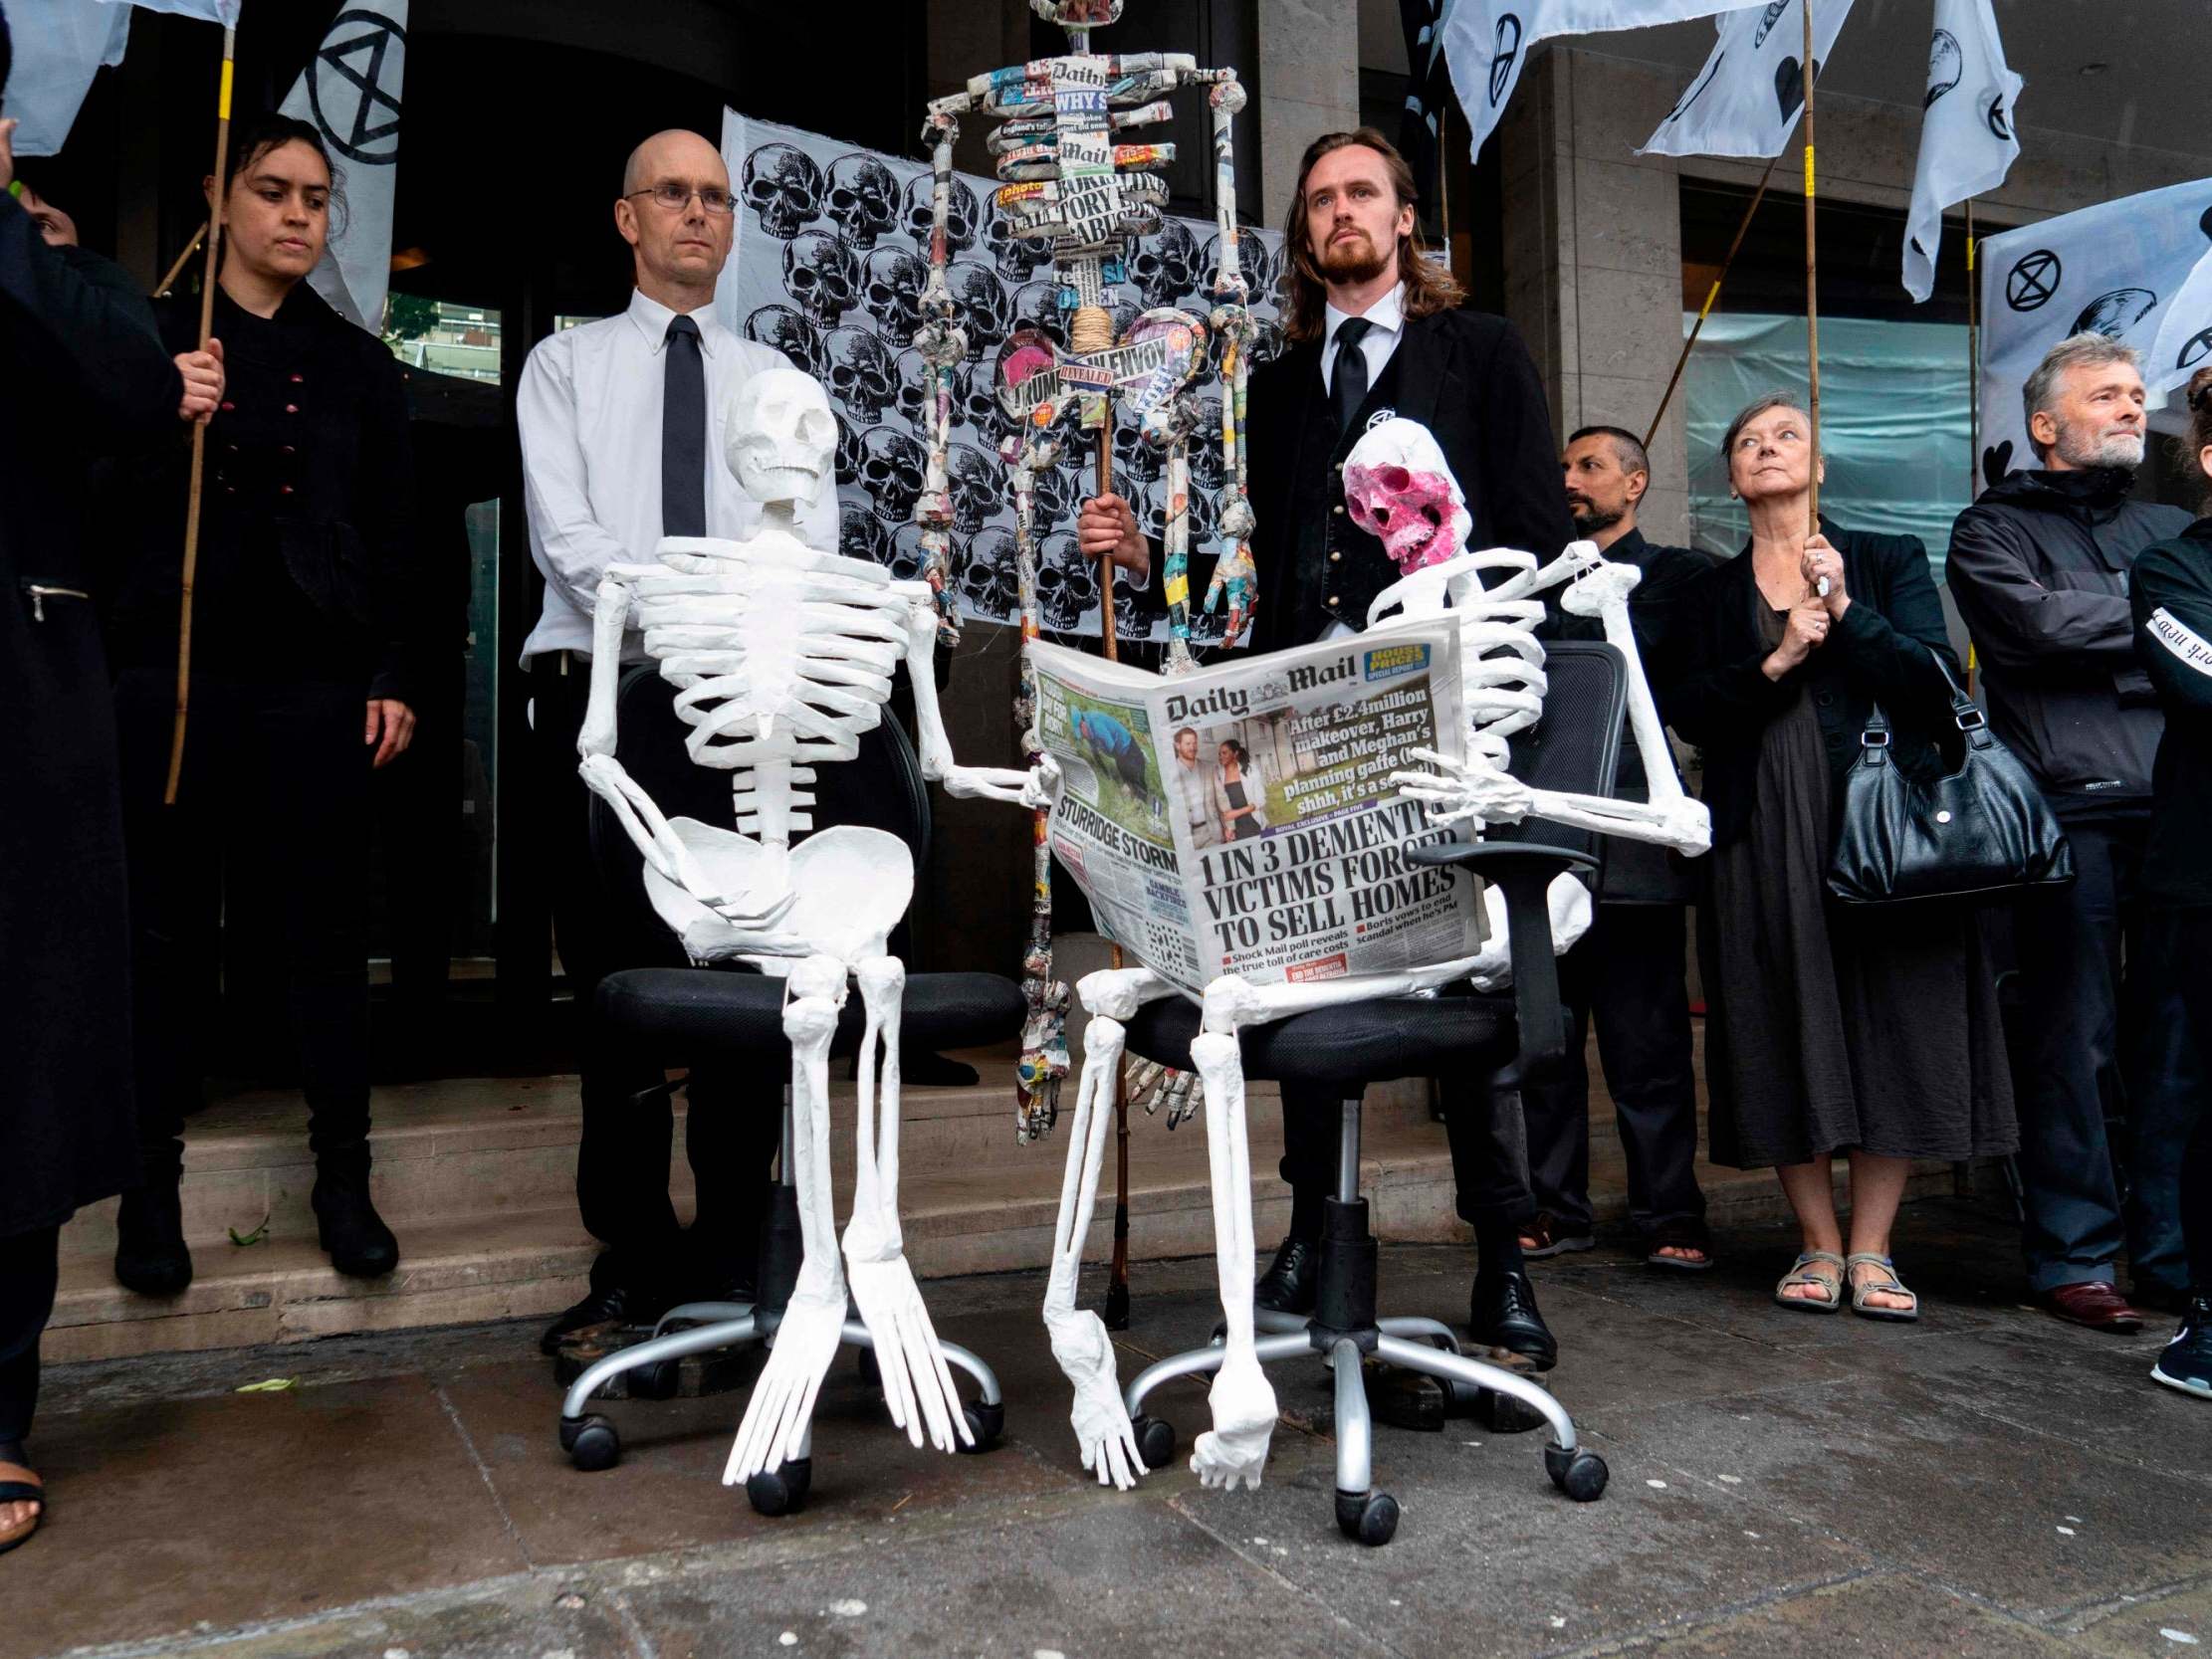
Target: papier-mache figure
(1074, 185)
(784, 656)
(1401, 489)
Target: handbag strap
(1965, 713)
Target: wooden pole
(1973, 365)
(1117, 1283)
(1811, 294)
(178, 270)
(199, 428)
(1711, 294)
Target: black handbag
(1981, 832)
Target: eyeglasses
(677, 197)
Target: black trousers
(1628, 973)
(2183, 938)
(271, 807)
(2100, 1032)
(1485, 1165)
(29, 1271)
(732, 1125)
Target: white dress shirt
(1388, 317)
(589, 414)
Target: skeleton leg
(917, 1381)
(1234, 1451)
(777, 1416)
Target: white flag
(224, 12)
(1967, 141)
(1486, 42)
(351, 92)
(2185, 342)
(2122, 269)
(1747, 98)
(60, 45)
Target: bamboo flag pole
(175, 271)
(199, 428)
(1973, 365)
(1711, 294)
(1812, 297)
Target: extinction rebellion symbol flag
(350, 91)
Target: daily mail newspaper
(1240, 819)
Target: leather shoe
(152, 1257)
(1501, 1312)
(1291, 1280)
(2093, 1304)
(616, 1304)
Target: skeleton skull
(780, 436)
(991, 589)
(1166, 268)
(1037, 305)
(1136, 458)
(960, 215)
(1254, 264)
(992, 548)
(862, 376)
(1267, 341)
(861, 537)
(1206, 444)
(916, 390)
(1017, 256)
(891, 285)
(891, 472)
(848, 453)
(986, 312)
(1400, 489)
(821, 275)
(909, 559)
(978, 489)
(1154, 516)
(1055, 492)
(792, 334)
(863, 198)
(1067, 586)
(784, 188)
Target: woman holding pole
(1872, 1034)
(297, 626)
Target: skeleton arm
(1033, 788)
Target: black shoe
(1292, 1278)
(152, 1257)
(2187, 1362)
(347, 1226)
(1501, 1312)
(616, 1303)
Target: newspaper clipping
(1240, 819)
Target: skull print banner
(830, 260)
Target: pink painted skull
(1401, 491)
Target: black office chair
(1574, 748)
(686, 1016)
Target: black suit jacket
(1466, 377)
(1884, 650)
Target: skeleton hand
(1473, 789)
(1234, 1451)
(1597, 587)
(995, 783)
(1238, 580)
(1041, 785)
(1102, 1428)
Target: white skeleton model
(1400, 489)
(784, 656)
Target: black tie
(1349, 389)
(684, 433)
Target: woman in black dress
(1872, 1033)
(1239, 793)
(301, 663)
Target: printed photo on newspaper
(1242, 820)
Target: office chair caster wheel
(987, 1420)
(1154, 1441)
(1369, 1518)
(871, 1371)
(1581, 1475)
(590, 1442)
(781, 1489)
(656, 1381)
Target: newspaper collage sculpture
(784, 656)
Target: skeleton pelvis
(852, 885)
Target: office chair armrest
(1522, 871)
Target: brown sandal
(1541, 1237)
(19, 1485)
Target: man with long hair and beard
(1376, 330)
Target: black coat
(2039, 567)
(2173, 598)
(1635, 872)
(1884, 650)
(1467, 378)
(83, 374)
(307, 550)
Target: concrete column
(1593, 255)
(1308, 84)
